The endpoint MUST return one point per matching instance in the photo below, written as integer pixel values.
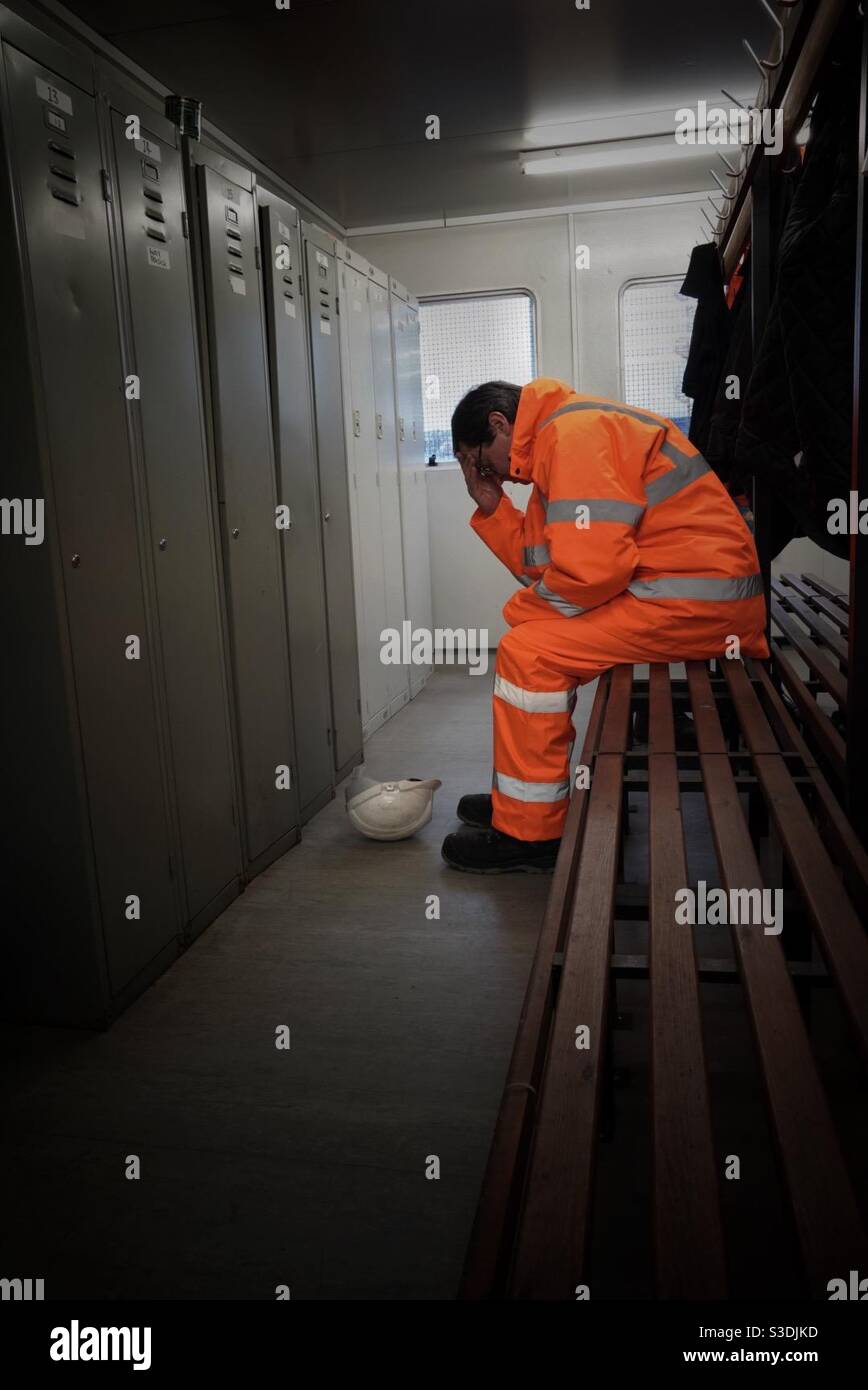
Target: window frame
(510, 292)
(637, 280)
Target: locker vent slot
(156, 234)
(66, 195)
(233, 251)
(235, 236)
(150, 171)
(155, 214)
(61, 149)
(287, 279)
(236, 269)
(63, 173)
(154, 194)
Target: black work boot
(475, 810)
(491, 852)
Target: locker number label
(46, 91)
(289, 308)
(239, 286)
(149, 148)
(158, 257)
(325, 326)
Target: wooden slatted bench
(812, 618)
(749, 762)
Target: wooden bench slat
(840, 934)
(816, 624)
(822, 730)
(661, 714)
(816, 659)
(823, 605)
(828, 590)
(827, 1216)
(486, 1262)
(749, 717)
(847, 847)
(709, 734)
(552, 1234)
(688, 1230)
(616, 724)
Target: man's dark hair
(470, 416)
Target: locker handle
(327, 516)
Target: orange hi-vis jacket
(622, 502)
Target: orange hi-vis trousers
(539, 666)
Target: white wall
(532, 254)
(804, 557)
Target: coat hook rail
(730, 197)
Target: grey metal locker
(334, 499)
(162, 355)
(297, 489)
(82, 466)
(387, 461)
(411, 458)
(367, 536)
(246, 487)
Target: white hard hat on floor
(390, 810)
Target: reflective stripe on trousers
(533, 732)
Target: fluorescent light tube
(619, 156)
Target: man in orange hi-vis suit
(631, 550)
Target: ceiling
(334, 94)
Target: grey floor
(304, 1167)
(307, 1167)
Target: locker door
(180, 532)
(387, 463)
(414, 502)
(67, 242)
(417, 438)
(334, 501)
(246, 485)
(364, 496)
(297, 488)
